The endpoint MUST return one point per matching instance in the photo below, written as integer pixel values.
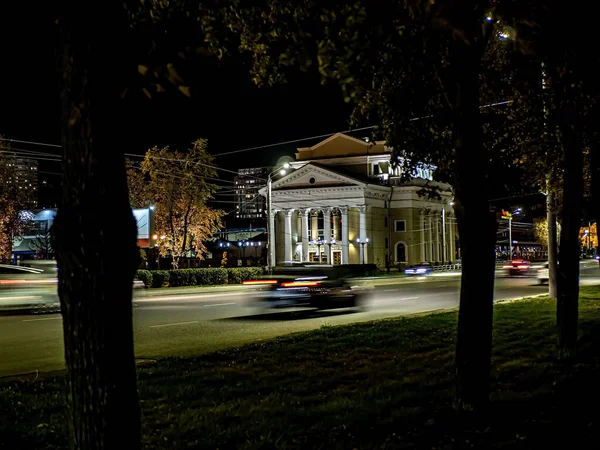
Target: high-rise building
(249, 204)
(25, 176)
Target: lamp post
(362, 243)
(270, 230)
(508, 216)
(330, 254)
(319, 243)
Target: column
(288, 234)
(336, 226)
(272, 254)
(436, 225)
(345, 248)
(430, 237)
(422, 235)
(327, 233)
(314, 232)
(451, 242)
(363, 233)
(304, 218)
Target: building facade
(342, 203)
(249, 204)
(25, 176)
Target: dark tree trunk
(595, 173)
(94, 235)
(567, 309)
(569, 99)
(477, 231)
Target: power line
(293, 141)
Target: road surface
(189, 324)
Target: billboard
(144, 218)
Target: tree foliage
(178, 185)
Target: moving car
(419, 269)
(312, 286)
(518, 267)
(543, 274)
(33, 287)
(28, 288)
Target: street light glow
(286, 166)
(282, 172)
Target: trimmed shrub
(236, 275)
(217, 276)
(144, 276)
(159, 278)
(182, 277)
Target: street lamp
(270, 231)
(318, 243)
(508, 216)
(362, 243)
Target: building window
(387, 243)
(399, 226)
(385, 221)
(401, 255)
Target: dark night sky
(226, 107)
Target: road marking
(408, 298)
(220, 304)
(173, 324)
(45, 318)
(390, 290)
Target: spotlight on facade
(282, 172)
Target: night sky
(226, 107)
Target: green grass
(385, 384)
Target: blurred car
(518, 267)
(419, 269)
(312, 286)
(28, 288)
(34, 286)
(543, 274)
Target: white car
(543, 274)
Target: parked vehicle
(311, 286)
(419, 269)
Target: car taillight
(301, 284)
(251, 282)
(28, 281)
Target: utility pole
(552, 243)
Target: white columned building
(304, 218)
(350, 181)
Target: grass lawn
(379, 385)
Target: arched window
(401, 253)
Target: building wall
(248, 203)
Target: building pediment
(314, 176)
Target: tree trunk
(477, 231)
(552, 243)
(94, 234)
(595, 178)
(567, 309)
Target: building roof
(341, 145)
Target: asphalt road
(187, 324)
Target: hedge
(198, 277)
(234, 275)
